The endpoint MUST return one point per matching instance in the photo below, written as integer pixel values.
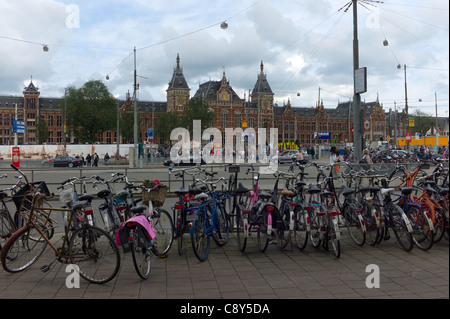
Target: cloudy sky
(304, 45)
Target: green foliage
(90, 110)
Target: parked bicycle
(90, 248)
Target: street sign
(16, 156)
(418, 136)
(388, 138)
(408, 138)
(18, 127)
(411, 122)
(324, 136)
(360, 80)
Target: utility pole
(437, 131)
(135, 135)
(357, 121)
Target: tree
(422, 122)
(165, 124)
(41, 131)
(197, 109)
(90, 110)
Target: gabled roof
(178, 81)
(261, 85)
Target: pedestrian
(334, 155)
(366, 161)
(95, 160)
(106, 158)
(312, 152)
(88, 160)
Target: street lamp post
(357, 122)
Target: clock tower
(178, 90)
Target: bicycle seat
(181, 192)
(430, 190)
(300, 183)
(136, 210)
(385, 191)
(87, 197)
(431, 183)
(240, 190)
(3, 195)
(201, 196)
(264, 195)
(443, 191)
(287, 192)
(371, 189)
(347, 190)
(104, 193)
(79, 205)
(327, 193)
(407, 190)
(314, 189)
(195, 190)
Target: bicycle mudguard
(123, 232)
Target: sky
(306, 47)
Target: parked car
(66, 161)
(169, 162)
(288, 156)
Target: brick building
(295, 124)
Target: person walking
(106, 158)
(88, 160)
(95, 160)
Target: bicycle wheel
(22, 249)
(284, 233)
(199, 238)
(95, 253)
(179, 229)
(315, 232)
(141, 255)
(333, 235)
(163, 226)
(7, 226)
(301, 228)
(399, 176)
(221, 231)
(240, 229)
(262, 239)
(353, 223)
(398, 224)
(371, 217)
(422, 234)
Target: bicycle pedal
(45, 268)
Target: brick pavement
(275, 274)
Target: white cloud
(304, 45)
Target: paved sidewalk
(275, 274)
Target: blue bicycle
(208, 219)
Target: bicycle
(293, 212)
(257, 213)
(180, 213)
(70, 198)
(208, 219)
(323, 220)
(111, 216)
(90, 248)
(8, 224)
(153, 196)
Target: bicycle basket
(157, 196)
(18, 197)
